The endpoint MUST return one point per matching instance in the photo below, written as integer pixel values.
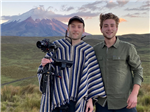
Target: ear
(83, 30)
(117, 29)
(101, 30)
(68, 29)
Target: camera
(46, 46)
(49, 71)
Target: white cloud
(135, 15)
(41, 13)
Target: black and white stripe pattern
(79, 83)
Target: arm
(94, 90)
(132, 99)
(135, 63)
(43, 63)
(89, 106)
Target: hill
(35, 22)
(20, 57)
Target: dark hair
(106, 16)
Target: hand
(45, 61)
(89, 105)
(132, 101)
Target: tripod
(49, 74)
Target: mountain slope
(34, 23)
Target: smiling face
(109, 28)
(75, 30)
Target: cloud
(147, 1)
(137, 9)
(144, 13)
(91, 6)
(132, 15)
(122, 2)
(88, 10)
(122, 20)
(7, 17)
(65, 8)
(85, 15)
(70, 8)
(102, 5)
(111, 5)
(40, 12)
(50, 7)
(146, 5)
(119, 3)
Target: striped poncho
(79, 83)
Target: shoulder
(126, 44)
(62, 42)
(98, 45)
(86, 48)
(84, 45)
(59, 40)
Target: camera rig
(49, 72)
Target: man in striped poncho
(80, 83)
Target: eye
(112, 25)
(79, 26)
(72, 26)
(105, 26)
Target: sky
(134, 14)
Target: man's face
(109, 28)
(75, 30)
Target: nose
(109, 27)
(76, 28)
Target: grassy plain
(20, 58)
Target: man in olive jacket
(121, 69)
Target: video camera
(46, 46)
(48, 70)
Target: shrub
(146, 100)
(140, 108)
(16, 99)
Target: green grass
(20, 99)
(27, 98)
(20, 58)
(144, 99)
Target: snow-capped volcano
(36, 13)
(36, 22)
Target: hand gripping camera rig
(49, 70)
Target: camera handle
(48, 74)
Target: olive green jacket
(121, 68)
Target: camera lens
(38, 44)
